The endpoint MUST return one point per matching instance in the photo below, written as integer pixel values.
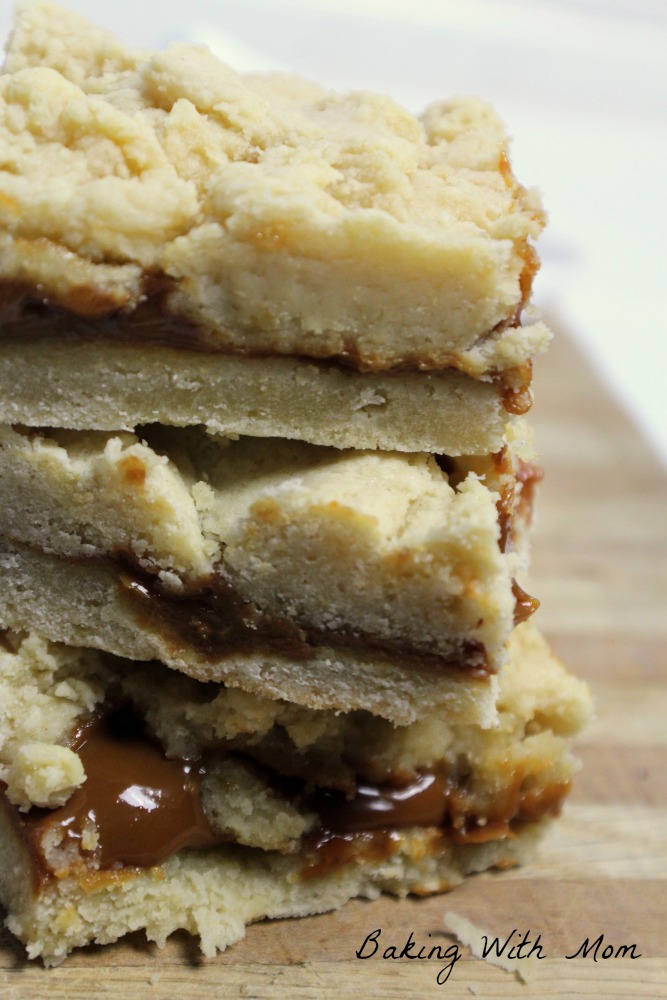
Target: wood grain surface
(600, 569)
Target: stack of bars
(266, 486)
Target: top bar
(257, 215)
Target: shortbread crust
(96, 386)
(282, 219)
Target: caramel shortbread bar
(133, 798)
(84, 602)
(163, 200)
(268, 546)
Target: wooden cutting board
(600, 569)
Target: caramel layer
(215, 621)
(24, 313)
(421, 803)
(434, 799)
(447, 815)
(137, 808)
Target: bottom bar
(138, 798)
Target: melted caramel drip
(505, 508)
(502, 463)
(326, 851)
(531, 265)
(517, 497)
(517, 397)
(214, 618)
(528, 475)
(525, 605)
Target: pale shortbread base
(117, 386)
(81, 604)
(214, 894)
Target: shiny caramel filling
(84, 314)
(366, 828)
(423, 802)
(136, 808)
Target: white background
(582, 86)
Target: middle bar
(212, 550)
